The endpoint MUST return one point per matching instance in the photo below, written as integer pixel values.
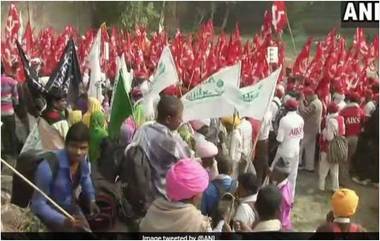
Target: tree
(136, 12)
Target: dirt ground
(312, 205)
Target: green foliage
(145, 13)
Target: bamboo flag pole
(36, 188)
(291, 35)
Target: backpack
(338, 150)
(276, 123)
(136, 178)
(27, 164)
(110, 159)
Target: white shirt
(274, 107)
(290, 133)
(246, 134)
(234, 145)
(268, 226)
(369, 108)
(341, 105)
(332, 127)
(244, 212)
(266, 125)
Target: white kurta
(290, 134)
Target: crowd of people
(223, 175)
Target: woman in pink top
(279, 177)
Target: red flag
(373, 54)
(315, 67)
(329, 43)
(266, 28)
(331, 66)
(9, 50)
(279, 17)
(360, 42)
(46, 44)
(301, 63)
(28, 39)
(84, 47)
(376, 45)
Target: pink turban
(205, 149)
(198, 124)
(185, 179)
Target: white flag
(165, 74)
(256, 98)
(127, 76)
(95, 88)
(215, 97)
(43, 137)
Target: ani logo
(360, 14)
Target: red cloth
(308, 91)
(291, 104)
(332, 108)
(279, 18)
(353, 119)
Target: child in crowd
(344, 203)
(221, 184)
(247, 194)
(279, 177)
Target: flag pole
(39, 190)
(291, 34)
(28, 12)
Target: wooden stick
(291, 35)
(36, 188)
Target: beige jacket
(312, 116)
(166, 216)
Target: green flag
(121, 106)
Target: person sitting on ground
(344, 203)
(279, 177)
(161, 143)
(72, 172)
(207, 152)
(221, 184)
(247, 194)
(185, 182)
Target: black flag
(30, 73)
(67, 75)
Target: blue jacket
(211, 195)
(61, 190)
